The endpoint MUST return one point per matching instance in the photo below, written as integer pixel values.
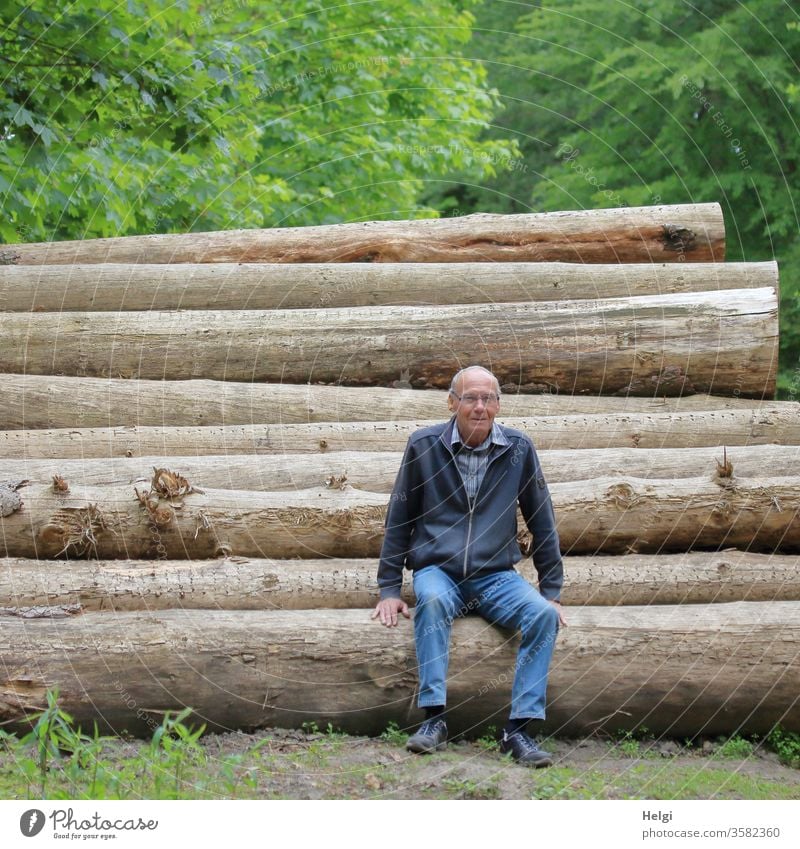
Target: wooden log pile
(200, 433)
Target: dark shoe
(431, 737)
(524, 751)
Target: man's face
(474, 420)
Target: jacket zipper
(473, 505)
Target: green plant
(172, 746)
(394, 735)
(334, 733)
(489, 740)
(466, 788)
(786, 744)
(629, 742)
(735, 747)
(51, 734)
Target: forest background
(145, 117)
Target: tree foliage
(149, 117)
(630, 102)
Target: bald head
(458, 378)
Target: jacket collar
(451, 434)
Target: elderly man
(452, 520)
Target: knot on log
(678, 239)
(622, 495)
(9, 258)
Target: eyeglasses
(470, 400)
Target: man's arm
(537, 510)
(401, 516)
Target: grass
(56, 760)
(634, 744)
(735, 748)
(656, 781)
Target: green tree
(151, 117)
(630, 102)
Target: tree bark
(30, 586)
(203, 286)
(376, 470)
(47, 401)
(614, 515)
(691, 232)
(678, 670)
(718, 342)
(777, 422)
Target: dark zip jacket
(431, 522)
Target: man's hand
(388, 608)
(560, 609)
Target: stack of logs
(200, 433)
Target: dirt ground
(298, 765)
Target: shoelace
(429, 726)
(526, 742)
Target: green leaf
(22, 117)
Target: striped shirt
(473, 462)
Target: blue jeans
(502, 598)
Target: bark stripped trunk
(679, 670)
(690, 232)
(376, 471)
(28, 587)
(720, 342)
(612, 515)
(48, 401)
(758, 425)
(57, 288)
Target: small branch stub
(59, 484)
(725, 468)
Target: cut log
(204, 286)
(759, 425)
(678, 670)
(610, 515)
(113, 522)
(376, 471)
(717, 342)
(691, 232)
(241, 583)
(46, 401)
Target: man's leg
(438, 603)
(508, 600)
